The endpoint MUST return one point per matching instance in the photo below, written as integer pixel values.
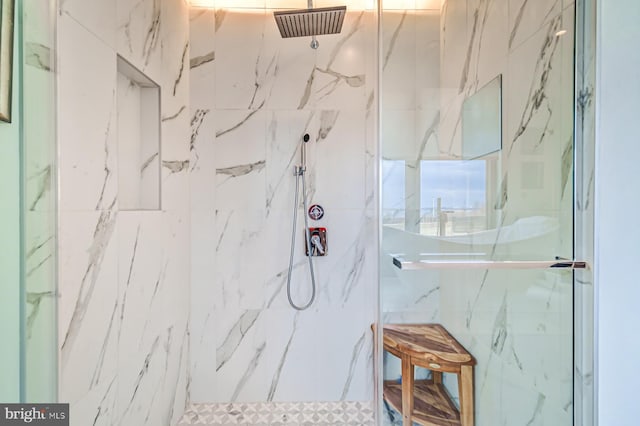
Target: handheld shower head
(303, 150)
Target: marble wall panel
(97, 16)
(128, 365)
(153, 347)
(246, 134)
(88, 172)
(454, 51)
(427, 60)
(487, 23)
(89, 318)
(291, 348)
(339, 80)
(241, 341)
(245, 79)
(542, 133)
(240, 242)
(285, 130)
(341, 144)
(202, 28)
(240, 151)
(399, 60)
(175, 118)
(346, 278)
(526, 18)
(202, 168)
(202, 174)
(139, 35)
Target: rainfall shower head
(310, 22)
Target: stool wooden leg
(407, 390)
(465, 391)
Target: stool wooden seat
(427, 402)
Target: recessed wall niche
(138, 103)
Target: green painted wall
(10, 247)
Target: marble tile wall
(253, 97)
(123, 275)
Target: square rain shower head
(310, 22)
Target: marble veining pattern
(283, 359)
(124, 274)
(537, 92)
(102, 235)
(108, 160)
(326, 80)
(201, 60)
(38, 55)
(41, 179)
(249, 344)
(235, 336)
(196, 121)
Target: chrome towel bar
(488, 264)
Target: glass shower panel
(9, 243)
(469, 212)
(40, 363)
(28, 361)
(518, 324)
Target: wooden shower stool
(426, 401)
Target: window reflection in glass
(453, 197)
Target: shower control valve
(316, 212)
(317, 242)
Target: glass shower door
(478, 196)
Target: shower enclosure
(481, 198)
(481, 111)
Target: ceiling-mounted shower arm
(314, 40)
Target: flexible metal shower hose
(293, 244)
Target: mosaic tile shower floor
(281, 414)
